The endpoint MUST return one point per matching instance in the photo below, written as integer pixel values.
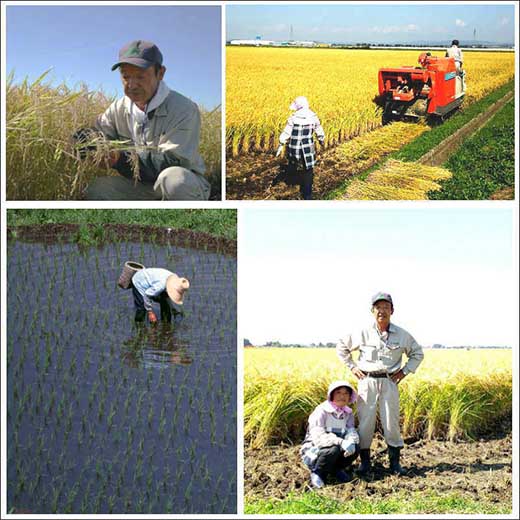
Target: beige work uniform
(380, 353)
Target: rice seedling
(97, 424)
(444, 399)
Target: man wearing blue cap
(379, 371)
(162, 124)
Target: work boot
(316, 480)
(364, 467)
(393, 456)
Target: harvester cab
(434, 89)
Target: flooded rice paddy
(105, 416)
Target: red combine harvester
(433, 89)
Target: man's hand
(397, 376)
(113, 157)
(85, 140)
(279, 151)
(358, 373)
(152, 318)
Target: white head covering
(299, 102)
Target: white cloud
(460, 23)
(394, 29)
(504, 21)
(340, 30)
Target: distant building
(255, 42)
(297, 43)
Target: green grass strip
(485, 162)
(429, 140)
(399, 503)
(219, 222)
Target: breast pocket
(392, 352)
(368, 352)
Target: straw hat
(175, 287)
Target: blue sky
(372, 23)
(308, 276)
(81, 43)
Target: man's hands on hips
(358, 373)
(397, 376)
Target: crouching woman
(332, 443)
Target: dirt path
(480, 470)
(441, 153)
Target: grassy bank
(400, 503)
(485, 163)
(41, 160)
(429, 140)
(215, 221)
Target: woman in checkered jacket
(297, 134)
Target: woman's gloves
(279, 151)
(348, 447)
(348, 444)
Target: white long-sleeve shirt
(150, 282)
(455, 53)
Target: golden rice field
(340, 85)
(41, 160)
(454, 393)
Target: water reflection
(155, 347)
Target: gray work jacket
(381, 352)
(171, 135)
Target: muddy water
(105, 416)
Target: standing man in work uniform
(379, 371)
(163, 125)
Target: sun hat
(338, 384)
(139, 53)
(382, 296)
(299, 102)
(176, 287)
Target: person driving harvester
(158, 285)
